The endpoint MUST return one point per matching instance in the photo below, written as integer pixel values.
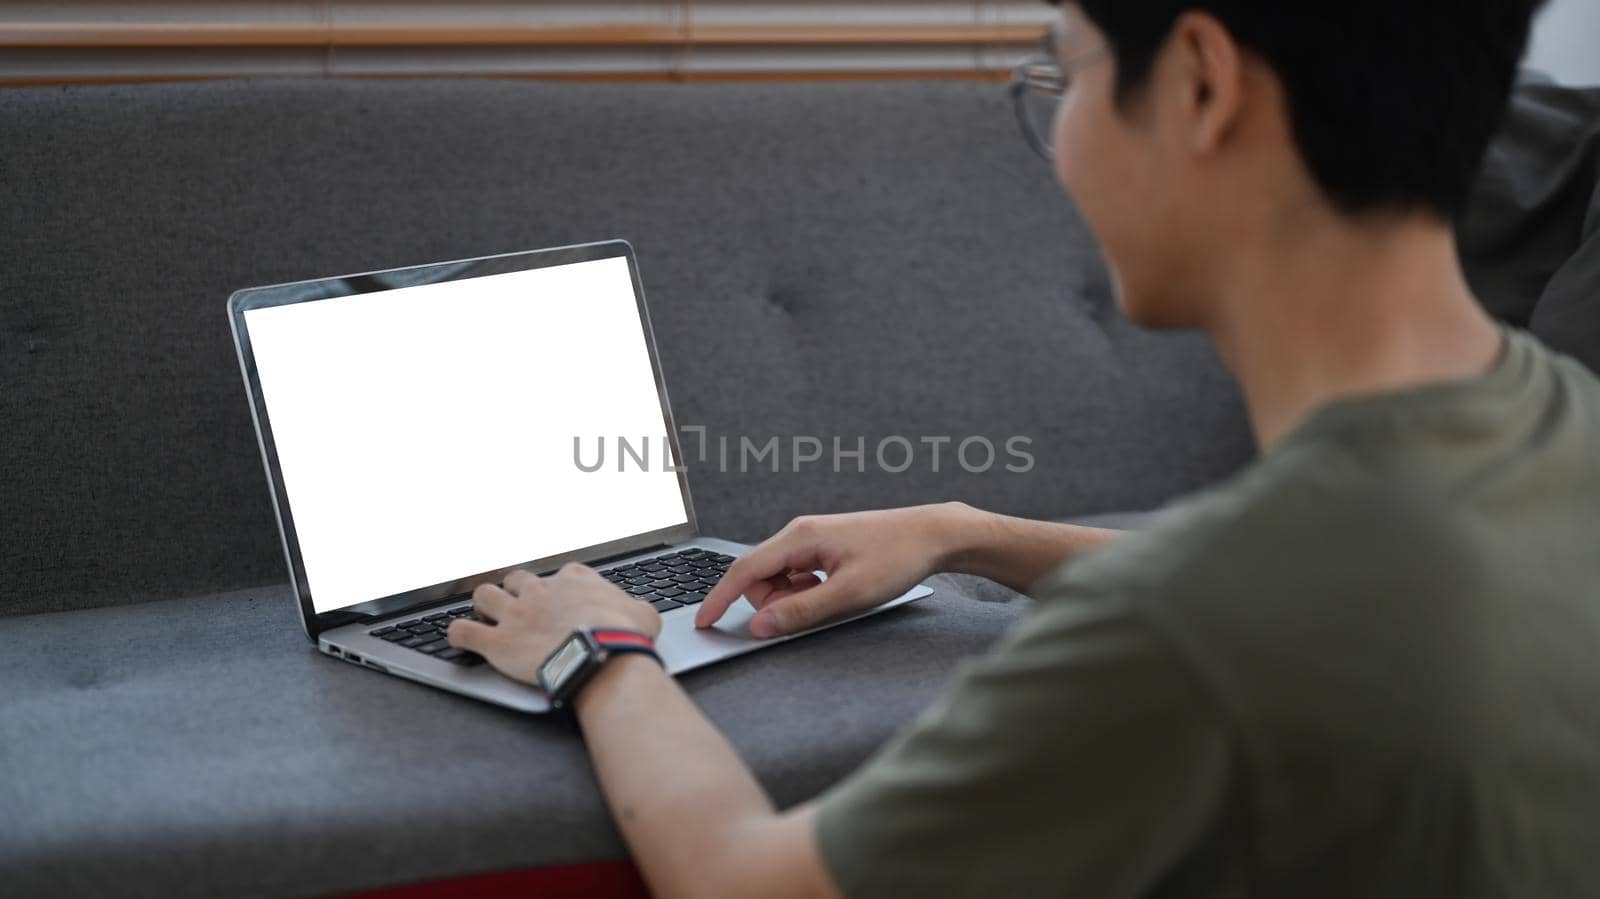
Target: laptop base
(682, 646)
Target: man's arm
(694, 819)
(693, 816)
(871, 557)
(1017, 552)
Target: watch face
(564, 663)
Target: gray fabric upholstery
(831, 259)
(1530, 237)
(1121, 521)
(201, 747)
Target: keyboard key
(414, 641)
(435, 616)
(435, 646)
(663, 605)
(382, 631)
(413, 622)
(640, 590)
(684, 579)
(450, 655)
(397, 636)
(689, 599)
(668, 592)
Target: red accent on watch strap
(614, 639)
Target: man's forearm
(1016, 552)
(694, 818)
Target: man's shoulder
(1390, 478)
(1305, 512)
(1313, 563)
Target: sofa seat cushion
(202, 747)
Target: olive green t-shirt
(1367, 665)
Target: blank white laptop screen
(426, 433)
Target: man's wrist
(634, 616)
(614, 677)
(963, 534)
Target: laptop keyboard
(427, 635)
(668, 581)
(673, 580)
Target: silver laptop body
(377, 401)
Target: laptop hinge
(632, 552)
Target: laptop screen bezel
(376, 282)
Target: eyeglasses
(1036, 89)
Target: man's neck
(1323, 310)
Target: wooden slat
(671, 40)
(223, 34)
(986, 76)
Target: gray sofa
(850, 260)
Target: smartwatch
(577, 659)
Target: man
(1368, 665)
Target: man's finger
(776, 556)
(775, 588)
(758, 591)
(491, 601)
(519, 581)
(801, 609)
(474, 636)
(577, 570)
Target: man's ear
(1212, 71)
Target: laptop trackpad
(683, 646)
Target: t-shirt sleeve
(1081, 757)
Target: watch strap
(600, 645)
(615, 639)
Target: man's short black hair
(1393, 102)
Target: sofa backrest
(838, 260)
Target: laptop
(432, 428)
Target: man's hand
(869, 557)
(532, 615)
